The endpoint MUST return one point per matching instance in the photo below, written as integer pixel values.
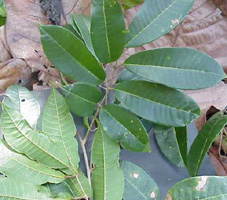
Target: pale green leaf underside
(203, 141)
(180, 68)
(202, 188)
(107, 177)
(23, 139)
(123, 126)
(156, 18)
(157, 103)
(20, 168)
(107, 29)
(13, 190)
(22, 100)
(58, 124)
(166, 138)
(70, 55)
(138, 184)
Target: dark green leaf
(81, 98)
(107, 176)
(204, 140)
(181, 68)
(107, 29)
(202, 188)
(70, 55)
(124, 127)
(157, 103)
(138, 184)
(156, 18)
(175, 150)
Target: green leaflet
(13, 190)
(59, 191)
(157, 103)
(81, 98)
(16, 166)
(202, 188)
(83, 24)
(126, 75)
(22, 100)
(107, 29)
(123, 126)
(58, 124)
(154, 19)
(204, 140)
(173, 143)
(107, 177)
(138, 184)
(79, 185)
(180, 68)
(70, 55)
(23, 139)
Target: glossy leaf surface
(70, 55)
(107, 29)
(81, 98)
(180, 68)
(157, 103)
(138, 184)
(156, 18)
(124, 127)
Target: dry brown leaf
(13, 72)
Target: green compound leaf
(157, 103)
(107, 177)
(204, 140)
(22, 100)
(58, 124)
(202, 188)
(23, 139)
(156, 18)
(123, 126)
(173, 143)
(20, 168)
(13, 190)
(107, 29)
(81, 98)
(138, 184)
(180, 68)
(70, 55)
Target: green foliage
(44, 151)
(2, 13)
(130, 3)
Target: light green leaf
(156, 18)
(23, 139)
(107, 29)
(81, 98)
(173, 143)
(123, 126)
(83, 23)
(203, 141)
(70, 55)
(130, 3)
(13, 190)
(181, 68)
(157, 103)
(79, 185)
(107, 177)
(15, 166)
(58, 124)
(202, 188)
(138, 184)
(22, 100)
